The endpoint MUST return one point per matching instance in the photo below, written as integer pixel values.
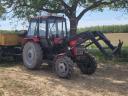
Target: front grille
(80, 50)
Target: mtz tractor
(48, 39)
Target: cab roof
(48, 17)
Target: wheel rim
(30, 55)
(62, 69)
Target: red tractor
(48, 39)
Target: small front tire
(87, 64)
(64, 67)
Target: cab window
(57, 28)
(32, 29)
(42, 28)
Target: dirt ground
(109, 80)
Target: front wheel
(64, 67)
(87, 64)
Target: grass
(100, 57)
(8, 32)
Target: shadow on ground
(109, 80)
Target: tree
(2, 10)
(25, 8)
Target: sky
(92, 18)
(107, 17)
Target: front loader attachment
(95, 37)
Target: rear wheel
(32, 55)
(87, 64)
(64, 67)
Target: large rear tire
(32, 55)
(64, 67)
(87, 64)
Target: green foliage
(106, 29)
(25, 8)
(100, 57)
(122, 4)
(2, 10)
(8, 31)
(124, 53)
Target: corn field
(106, 29)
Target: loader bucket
(117, 50)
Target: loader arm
(94, 37)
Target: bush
(100, 57)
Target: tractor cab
(52, 28)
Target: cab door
(42, 33)
(33, 26)
(32, 32)
(57, 34)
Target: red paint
(74, 51)
(73, 43)
(35, 39)
(61, 55)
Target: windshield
(57, 28)
(42, 28)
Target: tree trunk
(73, 25)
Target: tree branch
(65, 10)
(74, 5)
(64, 4)
(94, 5)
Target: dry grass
(109, 80)
(114, 37)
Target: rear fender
(61, 55)
(35, 39)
